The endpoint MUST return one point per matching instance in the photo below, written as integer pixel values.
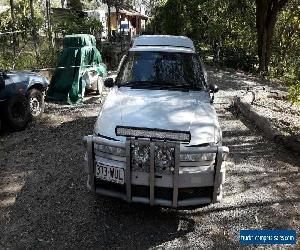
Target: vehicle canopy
(163, 43)
(79, 56)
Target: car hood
(162, 109)
(27, 77)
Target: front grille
(163, 154)
(140, 157)
(164, 157)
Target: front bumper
(190, 184)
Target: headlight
(198, 157)
(140, 158)
(164, 159)
(109, 149)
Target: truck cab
(157, 139)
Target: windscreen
(162, 70)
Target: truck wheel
(36, 103)
(17, 113)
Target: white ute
(157, 139)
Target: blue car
(21, 98)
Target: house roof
(131, 13)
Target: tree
(284, 61)
(12, 11)
(48, 21)
(226, 28)
(109, 5)
(75, 5)
(266, 17)
(118, 4)
(34, 32)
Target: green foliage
(225, 27)
(286, 45)
(294, 93)
(25, 55)
(91, 4)
(227, 31)
(26, 58)
(23, 20)
(49, 56)
(173, 18)
(73, 23)
(75, 5)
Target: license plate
(109, 173)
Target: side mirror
(109, 82)
(213, 88)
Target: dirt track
(44, 202)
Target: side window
(198, 70)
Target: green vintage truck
(80, 69)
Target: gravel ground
(44, 202)
(284, 117)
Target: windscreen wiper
(159, 85)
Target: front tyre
(36, 103)
(17, 113)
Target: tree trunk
(117, 23)
(12, 11)
(34, 33)
(266, 17)
(109, 23)
(117, 17)
(48, 16)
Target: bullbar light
(151, 133)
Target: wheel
(36, 103)
(17, 113)
(100, 85)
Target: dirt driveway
(44, 202)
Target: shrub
(294, 93)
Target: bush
(73, 23)
(294, 93)
(49, 57)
